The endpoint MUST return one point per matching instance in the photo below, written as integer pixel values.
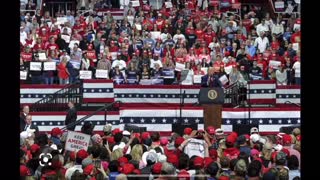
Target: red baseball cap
(187, 131)
(82, 154)
(56, 131)
(286, 139)
(157, 168)
(145, 135)
(198, 161)
(179, 141)
(210, 129)
(34, 148)
(24, 171)
(128, 168)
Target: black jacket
(71, 117)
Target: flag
(268, 120)
(261, 92)
(289, 94)
(31, 94)
(98, 90)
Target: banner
(77, 141)
(49, 66)
(72, 43)
(85, 74)
(100, 73)
(35, 66)
(23, 75)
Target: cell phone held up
(97, 163)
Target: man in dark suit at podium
(211, 79)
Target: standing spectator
(262, 42)
(36, 76)
(262, 27)
(63, 73)
(296, 68)
(73, 72)
(71, 116)
(281, 76)
(23, 115)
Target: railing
(58, 101)
(232, 92)
(54, 7)
(104, 108)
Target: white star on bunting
(130, 95)
(195, 96)
(137, 95)
(98, 123)
(108, 90)
(270, 121)
(113, 122)
(166, 95)
(188, 96)
(260, 121)
(197, 120)
(34, 123)
(298, 121)
(100, 90)
(164, 120)
(29, 95)
(85, 90)
(92, 90)
(144, 95)
(239, 121)
(142, 120)
(122, 95)
(228, 121)
(50, 123)
(131, 120)
(289, 121)
(59, 123)
(37, 95)
(42, 123)
(186, 120)
(151, 95)
(153, 120)
(121, 120)
(270, 91)
(279, 121)
(262, 91)
(174, 120)
(173, 96)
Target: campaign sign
(76, 141)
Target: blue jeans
(72, 79)
(48, 80)
(298, 81)
(63, 81)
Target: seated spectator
(117, 75)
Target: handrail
(289, 102)
(49, 99)
(90, 115)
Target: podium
(212, 100)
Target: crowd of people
(196, 154)
(157, 44)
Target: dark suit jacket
(71, 117)
(216, 81)
(22, 122)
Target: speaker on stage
(243, 128)
(134, 128)
(179, 128)
(288, 129)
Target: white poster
(61, 20)
(100, 73)
(72, 43)
(295, 46)
(75, 64)
(65, 38)
(35, 66)
(274, 64)
(85, 74)
(279, 4)
(138, 27)
(197, 79)
(223, 79)
(42, 56)
(179, 66)
(135, 3)
(228, 69)
(168, 4)
(23, 75)
(155, 34)
(77, 141)
(204, 69)
(49, 66)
